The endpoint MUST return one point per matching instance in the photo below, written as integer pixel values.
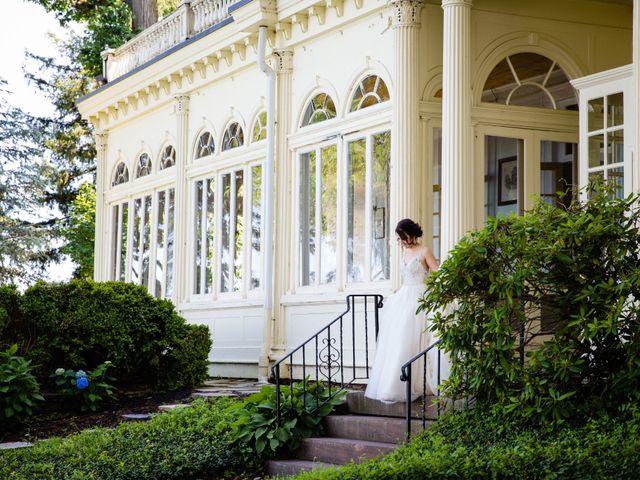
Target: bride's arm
(430, 260)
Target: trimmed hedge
(81, 324)
(477, 444)
(182, 444)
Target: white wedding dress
(403, 334)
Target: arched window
(529, 80)
(121, 175)
(206, 145)
(233, 137)
(319, 109)
(168, 158)
(370, 91)
(143, 168)
(260, 127)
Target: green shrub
(9, 315)
(304, 405)
(82, 324)
(85, 390)
(18, 388)
(481, 444)
(186, 443)
(573, 272)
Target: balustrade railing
(188, 20)
(338, 354)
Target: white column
(101, 243)
(284, 210)
(181, 208)
(406, 146)
(457, 137)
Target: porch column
(181, 208)
(406, 147)
(101, 243)
(457, 136)
(284, 210)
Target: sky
(26, 26)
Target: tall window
(233, 137)
(256, 226)
(141, 248)
(143, 167)
(203, 235)
(436, 178)
(120, 222)
(319, 109)
(121, 175)
(368, 208)
(318, 210)
(370, 91)
(164, 243)
(205, 145)
(232, 231)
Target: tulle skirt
(403, 334)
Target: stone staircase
(361, 430)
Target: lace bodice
(413, 272)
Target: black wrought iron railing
(407, 376)
(333, 355)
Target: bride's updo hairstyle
(408, 230)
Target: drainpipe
(268, 195)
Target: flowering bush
(88, 390)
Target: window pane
(115, 237)
(197, 235)
(615, 110)
(328, 221)
(356, 211)
(225, 254)
(135, 250)
(557, 162)
(209, 192)
(307, 218)
(170, 243)
(380, 206)
(256, 225)
(160, 244)
(239, 231)
(436, 179)
(615, 147)
(596, 114)
(124, 229)
(502, 182)
(595, 178)
(146, 241)
(596, 151)
(615, 177)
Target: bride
(402, 331)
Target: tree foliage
(559, 286)
(80, 233)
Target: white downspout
(269, 194)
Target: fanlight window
(319, 109)
(144, 165)
(121, 175)
(168, 158)
(370, 91)
(206, 145)
(233, 137)
(260, 128)
(529, 80)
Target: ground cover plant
(186, 443)
(303, 405)
(485, 444)
(570, 273)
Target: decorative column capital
(181, 106)
(457, 3)
(283, 61)
(101, 138)
(406, 13)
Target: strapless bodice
(413, 272)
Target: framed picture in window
(508, 181)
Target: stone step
(341, 451)
(370, 428)
(358, 404)
(293, 467)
